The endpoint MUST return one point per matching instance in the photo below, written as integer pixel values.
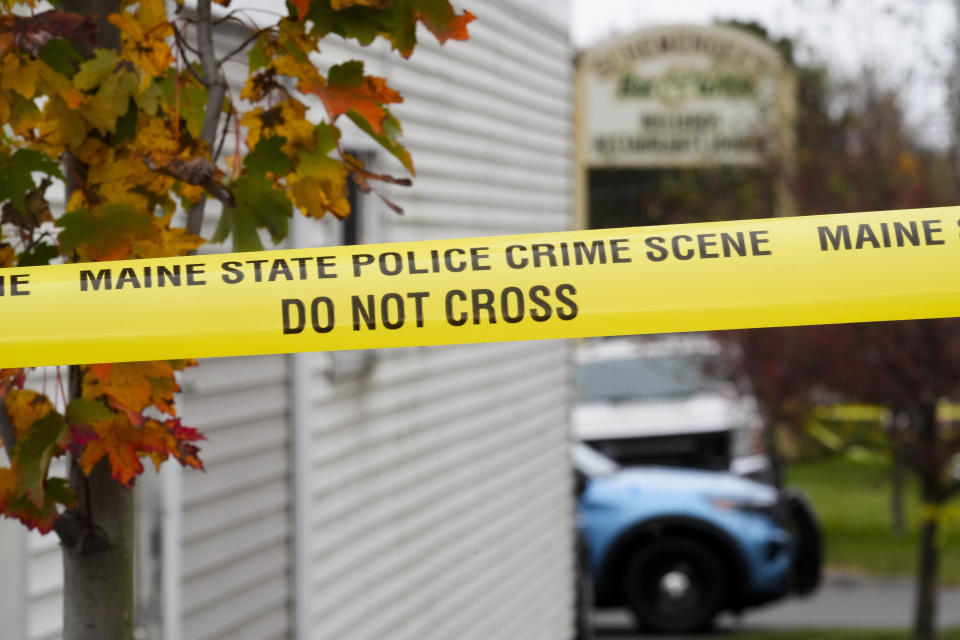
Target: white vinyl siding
(236, 516)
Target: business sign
(724, 275)
(683, 96)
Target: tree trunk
(98, 564)
(925, 610)
(97, 538)
(929, 467)
(897, 482)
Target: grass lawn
(852, 500)
(838, 634)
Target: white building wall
(440, 498)
(439, 501)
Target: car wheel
(675, 585)
(808, 544)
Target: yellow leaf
(192, 192)
(4, 106)
(151, 13)
(155, 139)
(168, 242)
(26, 406)
(90, 151)
(286, 119)
(7, 256)
(111, 101)
(78, 200)
(19, 76)
(52, 83)
(61, 126)
(322, 192)
(117, 174)
(146, 49)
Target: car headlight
(749, 505)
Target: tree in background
(855, 153)
(129, 108)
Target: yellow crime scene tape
(856, 267)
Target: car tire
(807, 566)
(675, 585)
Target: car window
(626, 379)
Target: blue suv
(678, 546)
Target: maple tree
(128, 107)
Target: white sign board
(682, 97)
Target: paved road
(840, 602)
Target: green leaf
(59, 491)
(387, 139)
(15, 175)
(397, 22)
(15, 184)
(34, 451)
(111, 101)
(61, 56)
(149, 100)
(22, 110)
(126, 128)
(319, 160)
(358, 23)
(260, 205)
(193, 106)
(83, 411)
(240, 225)
(267, 156)
(93, 72)
(40, 254)
(32, 160)
(256, 56)
(348, 74)
(105, 231)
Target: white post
(300, 460)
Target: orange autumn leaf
(131, 387)
(123, 443)
(302, 7)
(347, 89)
(455, 28)
(119, 441)
(8, 486)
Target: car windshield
(591, 462)
(627, 379)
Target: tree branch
(182, 45)
(216, 92)
(243, 45)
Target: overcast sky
(907, 40)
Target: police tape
(855, 267)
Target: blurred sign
(683, 97)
